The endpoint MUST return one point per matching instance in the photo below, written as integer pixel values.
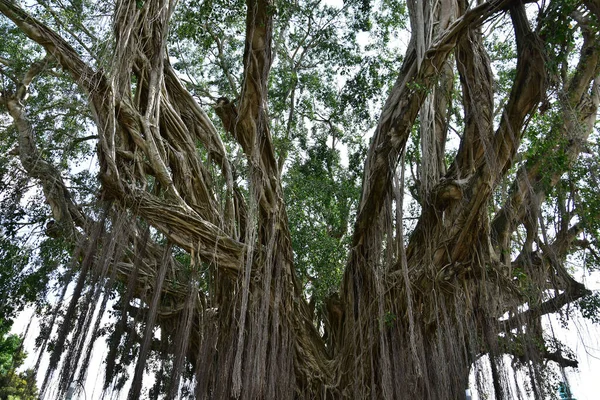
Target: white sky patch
(579, 335)
(334, 3)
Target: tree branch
(54, 44)
(401, 109)
(577, 126)
(64, 210)
(573, 293)
(558, 358)
(476, 79)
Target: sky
(583, 338)
(579, 335)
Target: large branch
(248, 121)
(55, 45)
(514, 345)
(579, 108)
(180, 223)
(550, 306)
(188, 231)
(561, 360)
(527, 91)
(477, 80)
(94, 83)
(204, 130)
(257, 61)
(401, 109)
(559, 280)
(65, 211)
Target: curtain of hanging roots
(200, 271)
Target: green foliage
(209, 55)
(14, 290)
(57, 110)
(502, 51)
(559, 34)
(331, 68)
(584, 183)
(13, 384)
(321, 197)
(590, 307)
(389, 319)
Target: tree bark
(409, 320)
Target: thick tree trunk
(409, 320)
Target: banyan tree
(313, 200)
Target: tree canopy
(267, 199)
(13, 384)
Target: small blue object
(564, 392)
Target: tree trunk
(412, 316)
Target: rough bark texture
(411, 318)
